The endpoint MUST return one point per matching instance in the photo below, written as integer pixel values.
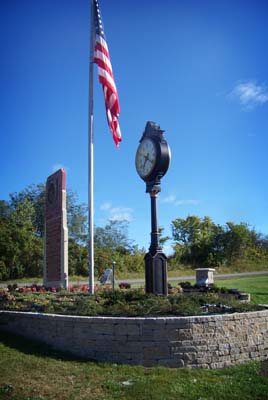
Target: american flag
(106, 78)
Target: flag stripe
(103, 65)
(106, 78)
(103, 61)
(101, 45)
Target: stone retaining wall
(200, 342)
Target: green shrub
(121, 303)
(185, 285)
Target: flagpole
(91, 160)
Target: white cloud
(169, 199)
(117, 210)
(187, 202)
(117, 213)
(179, 202)
(121, 214)
(249, 94)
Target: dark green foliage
(76, 218)
(124, 285)
(199, 242)
(35, 195)
(121, 303)
(78, 258)
(21, 248)
(185, 284)
(111, 243)
(22, 230)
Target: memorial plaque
(56, 232)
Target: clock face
(146, 158)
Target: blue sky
(197, 67)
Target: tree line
(200, 242)
(197, 241)
(22, 226)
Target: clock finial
(152, 129)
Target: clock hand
(146, 158)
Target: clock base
(156, 273)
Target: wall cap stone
(193, 319)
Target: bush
(124, 285)
(120, 303)
(185, 285)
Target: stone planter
(213, 341)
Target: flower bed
(195, 328)
(77, 301)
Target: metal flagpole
(91, 160)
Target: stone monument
(204, 276)
(56, 232)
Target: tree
(199, 241)
(22, 222)
(112, 244)
(5, 210)
(76, 218)
(36, 195)
(20, 249)
(162, 239)
(243, 243)
(113, 236)
(77, 258)
(109, 242)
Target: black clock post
(152, 162)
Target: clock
(152, 156)
(152, 162)
(146, 157)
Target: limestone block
(189, 357)
(125, 329)
(156, 352)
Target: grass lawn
(33, 371)
(257, 286)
